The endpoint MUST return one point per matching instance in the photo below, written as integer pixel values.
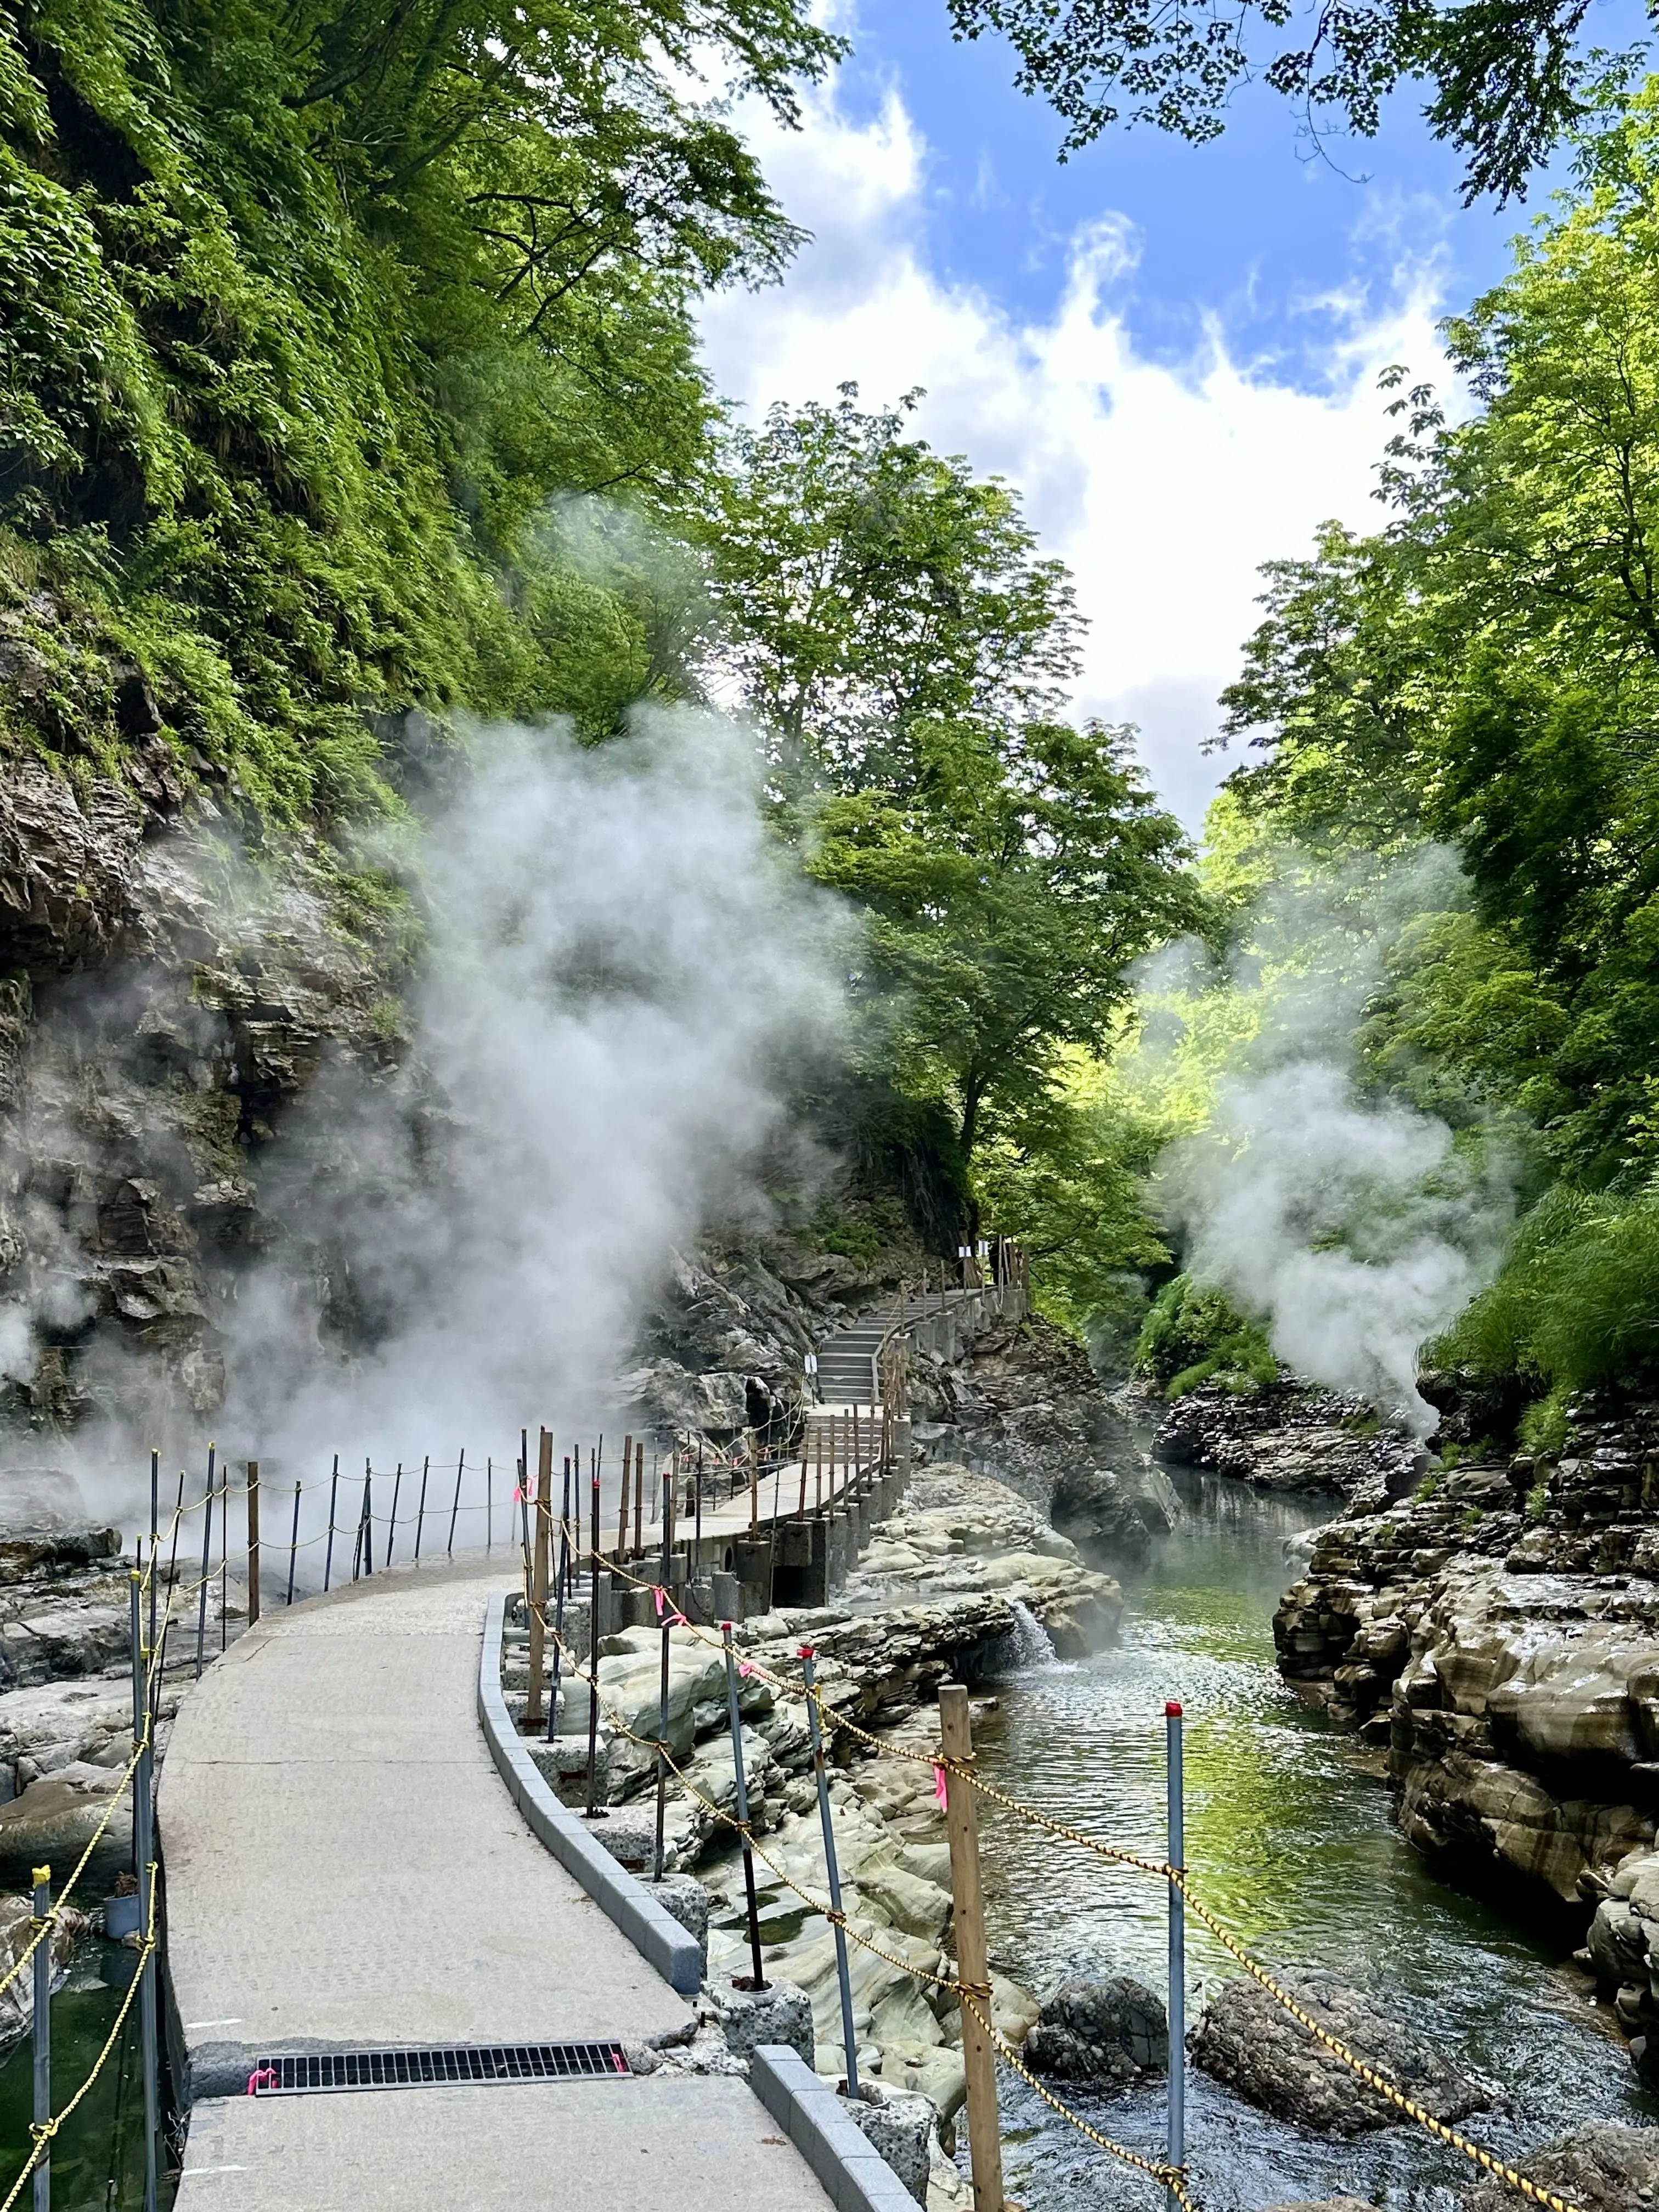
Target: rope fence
(1172, 2179)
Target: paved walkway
(346, 1868)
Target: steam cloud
(1350, 1222)
(621, 966)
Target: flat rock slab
(345, 1867)
(691, 2143)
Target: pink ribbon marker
(661, 1597)
(940, 1791)
(263, 2077)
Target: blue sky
(1172, 350)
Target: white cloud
(1164, 488)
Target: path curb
(853, 2172)
(654, 1933)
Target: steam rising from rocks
(1352, 1222)
(622, 970)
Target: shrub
(1194, 1333)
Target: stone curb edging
(655, 1934)
(852, 2173)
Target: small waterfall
(1032, 1640)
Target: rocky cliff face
(161, 1004)
(1499, 1634)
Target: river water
(1288, 1839)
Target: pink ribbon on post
(941, 1791)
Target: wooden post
(621, 1516)
(253, 1541)
(754, 1485)
(532, 1710)
(973, 1967)
(639, 1501)
(817, 1466)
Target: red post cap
(726, 1628)
(1172, 1710)
(805, 1652)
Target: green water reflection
(98, 2159)
(1290, 1836)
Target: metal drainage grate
(301, 2075)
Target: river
(1289, 1838)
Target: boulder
(1326, 2204)
(1252, 2045)
(1114, 1514)
(55, 1819)
(900, 2124)
(18, 1998)
(1110, 2031)
(751, 2018)
(1600, 2168)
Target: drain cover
(302, 2075)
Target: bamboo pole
(252, 1542)
(973, 1964)
(532, 1710)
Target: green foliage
(904, 650)
(864, 1234)
(1427, 1487)
(306, 316)
(1196, 1334)
(1538, 1502)
(1502, 77)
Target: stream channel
(1288, 1839)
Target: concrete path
(346, 1868)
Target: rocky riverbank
(1496, 1637)
(1289, 1438)
(946, 1589)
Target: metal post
(559, 1602)
(420, 1511)
(224, 1556)
(293, 1543)
(662, 1702)
(972, 1966)
(848, 2041)
(207, 1554)
(143, 1865)
(368, 1519)
(391, 1531)
(333, 1488)
(42, 2034)
(1177, 1992)
(489, 1505)
(758, 1979)
(592, 1806)
(532, 1708)
(154, 1538)
(696, 1526)
(621, 1511)
(253, 1541)
(460, 1468)
(639, 1501)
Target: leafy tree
(905, 653)
(1505, 76)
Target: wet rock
(18, 1998)
(1114, 1514)
(51, 1822)
(1325, 2204)
(960, 1532)
(1252, 2045)
(1600, 2168)
(1111, 2031)
(1289, 1438)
